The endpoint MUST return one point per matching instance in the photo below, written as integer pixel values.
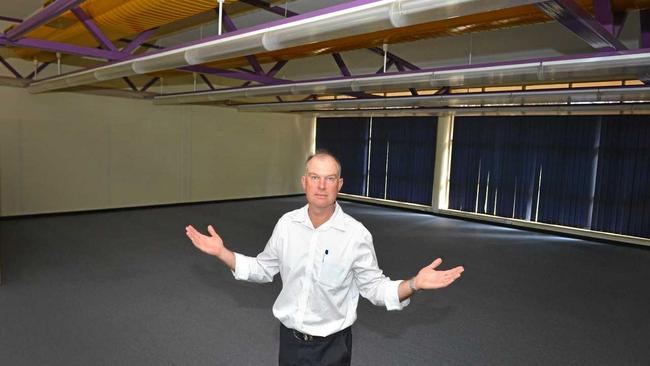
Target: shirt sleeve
(263, 267)
(372, 283)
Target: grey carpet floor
(127, 288)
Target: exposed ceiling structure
(430, 56)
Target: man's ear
(340, 184)
(303, 182)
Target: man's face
(321, 182)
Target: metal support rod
(385, 49)
(388, 65)
(58, 63)
(220, 15)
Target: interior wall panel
(68, 152)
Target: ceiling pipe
(500, 99)
(625, 66)
(362, 16)
(599, 109)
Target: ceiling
(476, 38)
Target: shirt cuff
(391, 297)
(242, 268)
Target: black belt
(310, 338)
(304, 336)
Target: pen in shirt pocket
(326, 253)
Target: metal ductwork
(634, 65)
(360, 18)
(502, 99)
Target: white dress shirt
(323, 271)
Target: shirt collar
(337, 221)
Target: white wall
(67, 152)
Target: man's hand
(212, 244)
(428, 278)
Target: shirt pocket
(332, 275)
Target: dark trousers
(298, 349)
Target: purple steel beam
(10, 19)
(442, 91)
(138, 41)
(644, 18)
(149, 84)
(341, 64)
(144, 44)
(117, 56)
(256, 65)
(93, 29)
(604, 15)
(576, 19)
(263, 79)
(226, 20)
(475, 66)
(208, 83)
(268, 7)
(619, 20)
(276, 68)
(50, 12)
(284, 12)
(10, 68)
(51, 46)
(281, 11)
(38, 69)
(130, 83)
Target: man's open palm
(428, 278)
(209, 244)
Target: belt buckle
(302, 336)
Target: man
(325, 259)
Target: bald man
(326, 259)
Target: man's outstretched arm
(429, 279)
(212, 245)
